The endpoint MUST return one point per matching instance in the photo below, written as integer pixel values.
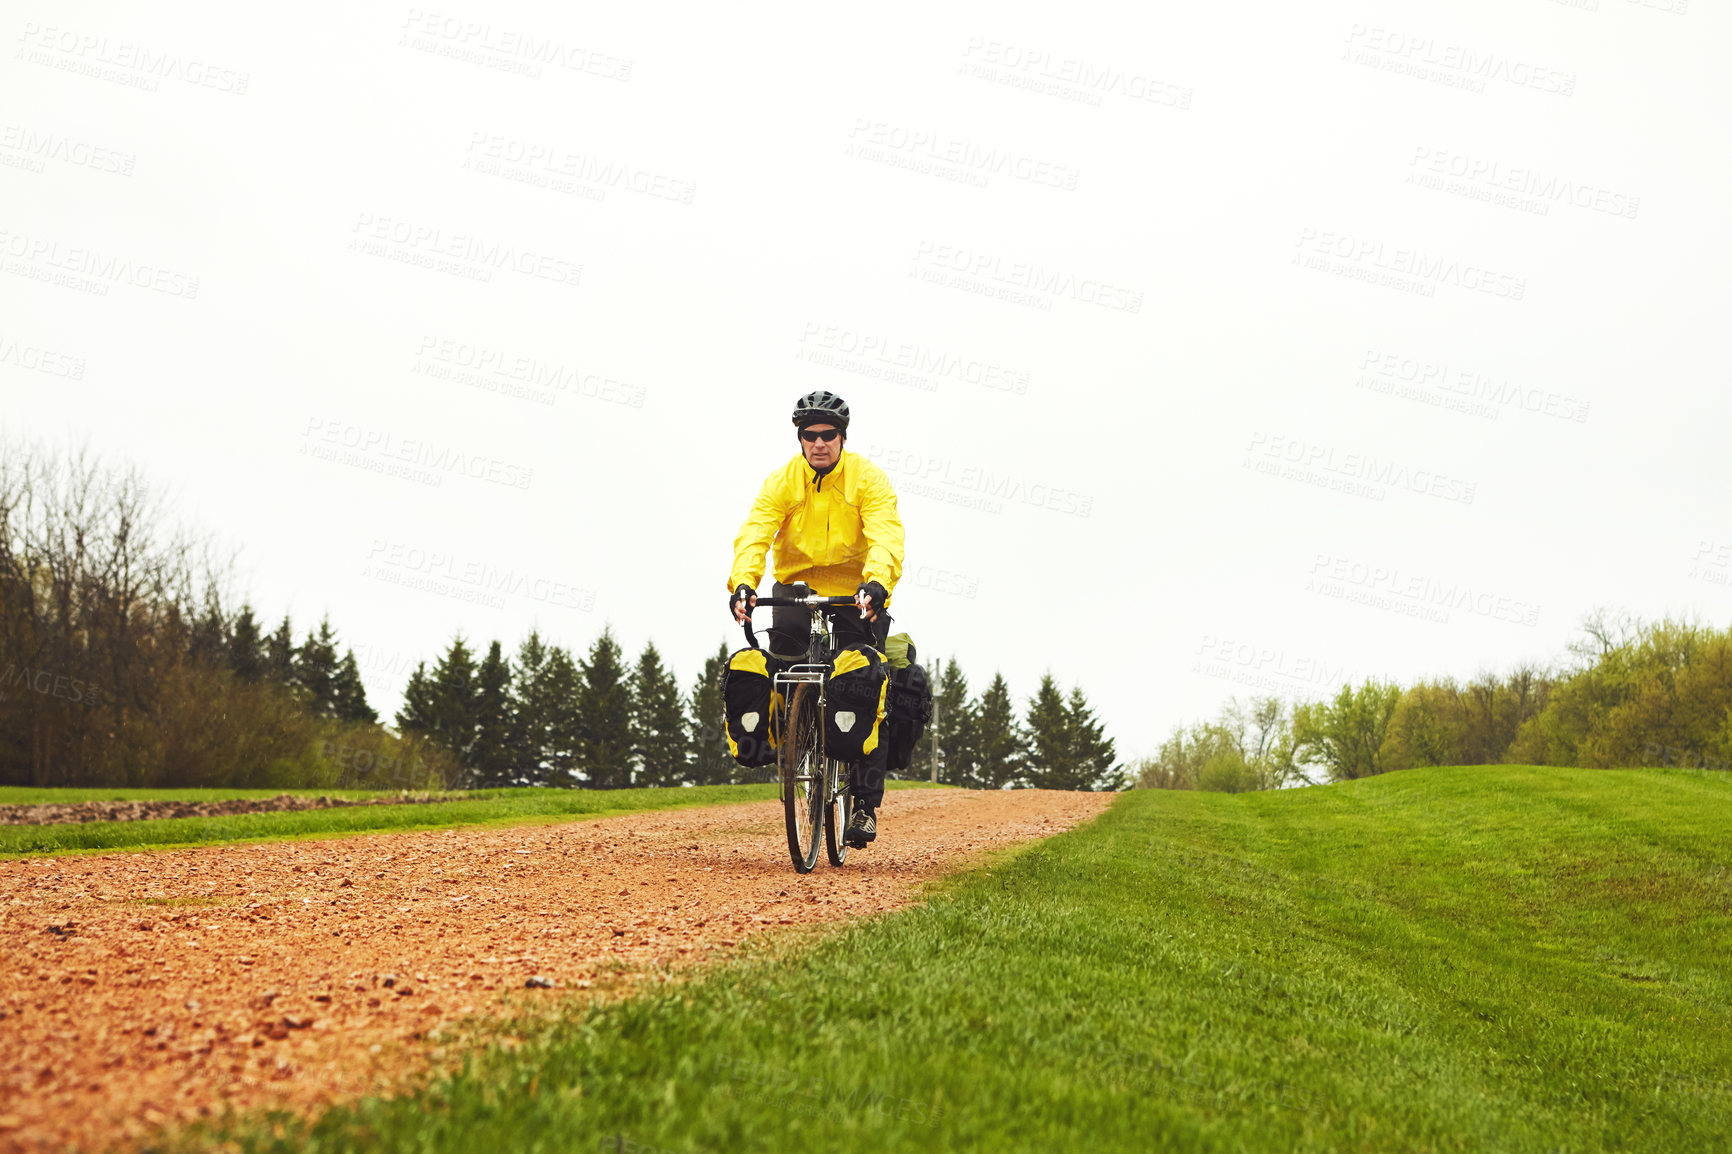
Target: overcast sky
(1214, 349)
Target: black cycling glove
(744, 593)
(875, 593)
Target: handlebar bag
(855, 702)
(748, 702)
(910, 701)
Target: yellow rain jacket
(831, 532)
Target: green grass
(477, 807)
(1479, 959)
(517, 805)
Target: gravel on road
(147, 989)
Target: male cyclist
(832, 516)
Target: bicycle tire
(836, 814)
(802, 755)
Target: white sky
(1202, 159)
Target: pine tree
(999, 743)
(543, 735)
(208, 638)
(561, 691)
(279, 663)
(706, 735)
(604, 717)
(527, 738)
(316, 671)
(246, 647)
(952, 729)
(349, 695)
(419, 713)
(491, 758)
(1091, 750)
(658, 727)
(454, 699)
(443, 705)
(1068, 747)
(1051, 761)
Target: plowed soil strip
(89, 811)
(145, 988)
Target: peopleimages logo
(35, 256)
(40, 360)
(465, 253)
(1513, 186)
(1412, 594)
(504, 48)
(37, 148)
(1357, 474)
(987, 269)
(410, 457)
(901, 362)
(519, 374)
(1464, 390)
(881, 140)
(1066, 76)
(1455, 64)
(399, 563)
(48, 684)
(1375, 261)
(134, 65)
(1262, 666)
(933, 476)
(549, 165)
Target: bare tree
(97, 598)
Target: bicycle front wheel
(801, 765)
(839, 805)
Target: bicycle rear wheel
(836, 813)
(801, 766)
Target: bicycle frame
(821, 647)
(822, 777)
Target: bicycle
(813, 786)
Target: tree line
(1629, 693)
(122, 665)
(546, 717)
(1056, 742)
(126, 661)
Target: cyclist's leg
(852, 629)
(866, 778)
(790, 629)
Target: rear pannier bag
(855, 701)
(910, 713)
(748, 704)
(899, 650)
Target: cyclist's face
(821, 454)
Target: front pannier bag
(855, 701)
(748, 703)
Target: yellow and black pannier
(910, 702)
(749, 703)
(855, 700)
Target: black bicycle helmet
(821, 408)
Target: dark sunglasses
(810, 435)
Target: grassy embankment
(477, 807)
(1487, 958)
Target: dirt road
(145, 988)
